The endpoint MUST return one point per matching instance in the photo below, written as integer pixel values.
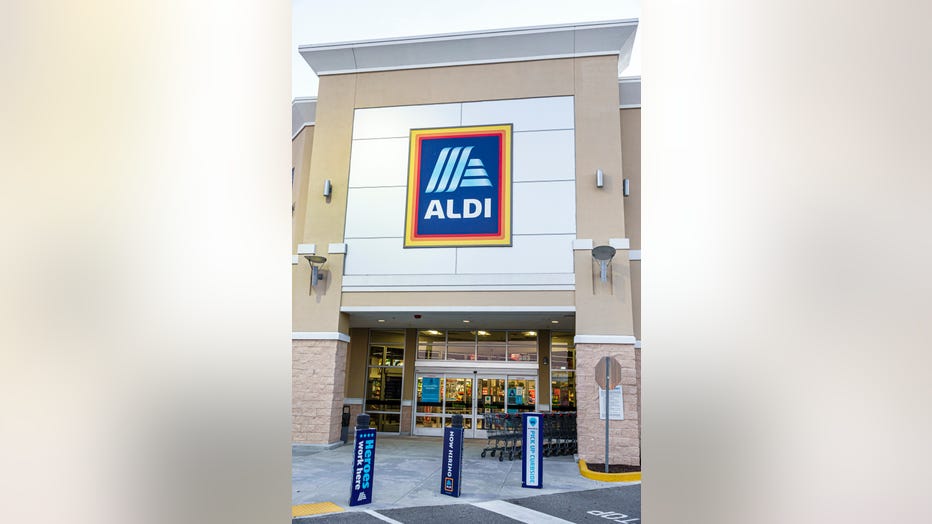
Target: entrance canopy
(556, 318)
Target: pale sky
(323, 21)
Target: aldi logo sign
(459, 187)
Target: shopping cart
(514, 433)
(503, 431)
(552, 437)
(494, 424)
(559, 434)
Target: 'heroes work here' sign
(363, 467)
(459, 187)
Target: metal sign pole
(608, 370)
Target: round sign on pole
(614, 374)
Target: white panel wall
(384, 256)
(527, 114)
(529, 254)
(375, 212)
(397, 122)
(379, 162)
(544, 199)
(544, 155)
(540, 208)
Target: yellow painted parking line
(634, 476)
(318, 508)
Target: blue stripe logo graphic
(454, 169)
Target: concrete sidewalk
(407, 473)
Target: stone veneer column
(406, 420)
(355, 411)
(318, 370)
(624, 435)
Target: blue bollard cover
(452, 459)
(363, 467)
(532, 459)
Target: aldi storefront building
(448, 193)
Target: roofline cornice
(614, 37)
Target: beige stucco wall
(631, 160)
(635, 267)
(318, 309)
(600, 215)
(407, 392)
(602, 308)
(356, 363)
(543, 375)
(301, 162)
(438, 85)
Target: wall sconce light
(604, 255)
(626, 188)
(316, 261)
(599, 178)
(328, 188)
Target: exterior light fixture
(554, 321)
(604, 255)
(531, 333)
(316, 261)
(381, 320)
(466, 322)
(599, 178)
(484, 333)
(328, 188)
(626, 187)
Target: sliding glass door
(439, 396)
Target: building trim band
(319, 335)
(604, 339)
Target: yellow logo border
(503, 239)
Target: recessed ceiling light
(466, 321)
(432, 332)
(554, 321)
(532, 333)
(484, 333)
(381, 320)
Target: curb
(634, 476)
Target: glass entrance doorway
(439, 396)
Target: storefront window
(429, 394)
(491, 346)
(562, 351)
(431, 344)
(384, 379)
(458, 399)
(522, 346)
(522, 394)
(562, 372)
(461, 345)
